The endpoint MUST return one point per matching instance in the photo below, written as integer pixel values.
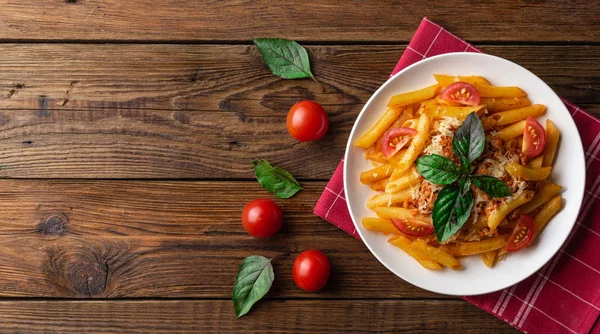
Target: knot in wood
(86, 274)
(54, 224)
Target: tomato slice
(461, 92)
(395, 139)
(412, 227)
(534, 137)
(522, 234)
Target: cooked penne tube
(405, 99)
(379, 128)
(377, 157)
(497, 216)
(546, 192)
(377, 173)
(381, 225)
(536, 163)
(436, 254)
(510, 132)
(496, 91)
(528, 174)
(483, 246)
(408, 180)
(432, 101)
(380, 185)
(416, 147)
(516, 115)
(447, 80)
(436, 111)
(404, 243)
(494, 104)
(548, 210)
(489, 258)
(552, 136)
(386, 199)
(389, 212)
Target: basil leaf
(253, 281)
(275, 179)
(491, 185)
(286, 59)
(437, 169)
(451, 210)
(469, 140)
(465, 184)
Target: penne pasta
(411, 178)
(494, 104)
(377, 157)
(546, 192)
(436, 254)
(497, 216)
(548, 210)
(510, 132)
(416, 147)
(437, 111)
(536, 163)
(552, 137)
(447, 80)
(377, 173)
(389, 212)
(528, 174)
(483, 246)
(516, 115)
(489, 258)
(369, 138)
(405, 99)
(404, 243)
(495, 91)
(381, 225)
(386, 199)
(380, 185)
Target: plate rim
(579, 196)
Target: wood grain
(115, 239)
(210, 316)
(203, 111)
(233, 78)
(322, 20)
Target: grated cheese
(521, 187)
(496, 168)
(444, 130)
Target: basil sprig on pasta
(454, 202)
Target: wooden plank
(113, 239)
(234, 79)
(202, 111)
(321, 20)
(268, 316)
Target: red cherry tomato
(395, 139)
(534, 137)
(262, 218)
(522, 235)
(412, 227)
(461, 92)
(307, 121)
(311, 270)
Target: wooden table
(127, 129)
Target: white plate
(569, 171)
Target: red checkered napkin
(564, 296)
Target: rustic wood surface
(126, 132)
